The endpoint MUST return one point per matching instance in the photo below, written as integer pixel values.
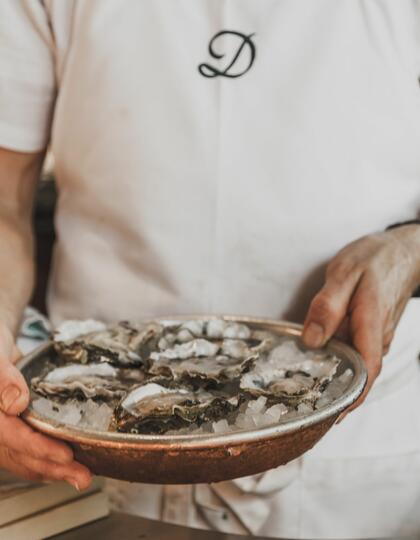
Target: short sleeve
(27, 79)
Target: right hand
(24, 451)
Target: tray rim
(206, 440)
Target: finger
(14, 393)
(329, 307)
(387, 340)
(343, 331)
(367, 336)
(16, 355)
(12, 466)
(17, 435)
(74, 473)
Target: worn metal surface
(201, 458)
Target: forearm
(18, 179)
(16, 270)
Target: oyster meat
(94, 380)
(290, 374)
(153, 408)
(214, 351)
(122, 344)
(203, 359)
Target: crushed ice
(87, 414)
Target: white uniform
(211, 156)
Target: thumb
(14, 393)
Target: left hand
(367, 286)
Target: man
(216, 156)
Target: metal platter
(201, 458)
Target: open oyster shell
(289, 374)
(214, 351)
(122, 344)
(94, 380)
(153, 408)
(204, 360)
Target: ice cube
(221, 426)
(260, 419)
(304, 408)
(334, 390)
(184, 335)
(257, 405)
(70, 413)
(215, 328)
(245, 421)
(249, 420)
(323, 401)
(346, 377)
(240, 421)
(274, 413)
(95, 415)
(237, 331)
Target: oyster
(71, 329)
(288, 357)
(122, 344)
(213, 370)
(153, 408)
(200, 359)
(214, 351)
(95, 380)
(290, 374)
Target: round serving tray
(201, 458)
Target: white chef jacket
(211, 157)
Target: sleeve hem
(17, 140)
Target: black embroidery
(207, 70)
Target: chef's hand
(367, 287)
(24, 451)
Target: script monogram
(245, 45)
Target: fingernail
(314, 335)
(73, 482)
(9, 396)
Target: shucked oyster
(121, 344)
(153, 408)
(203, 359)
(290, 374)
(214, 351)
(89, 381)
